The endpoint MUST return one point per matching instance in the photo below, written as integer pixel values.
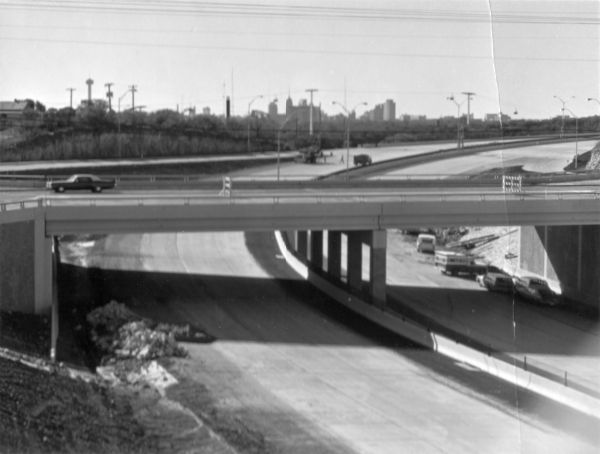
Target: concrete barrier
(411, 330)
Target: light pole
(119, 119)
(249, 105)
(458, 138)
(343, 106)
(562, 124)
(279, 141)
(594, 99)
(576, 129)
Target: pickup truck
(362, 160)
(82, 181)
(455, 263)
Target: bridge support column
(354, 265)
(377, 268)
(302, 243)
(43, 275)
(316, 248)
(334, 254)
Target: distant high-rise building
(206, 111)
(389, 110)
(289, 106)
(301, 111)
(377, 113)
(273, 109)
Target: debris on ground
(121, 334)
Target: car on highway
(536, 290)
(362, 160)
(82, 182)
(497, 282)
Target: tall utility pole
(469, 95)
(133, 89)
(109, 95)
(71, 90)
(311, 91)
(459, 130)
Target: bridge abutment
(566, 256)
(26, 264)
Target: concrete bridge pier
(309, 247)
(44, 267)
(334, 254)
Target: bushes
(111, 145)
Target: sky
(523, 56)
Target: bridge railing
(249, 197)
(21, 204)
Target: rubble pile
(121, 334)
(138, 340)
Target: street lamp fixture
(249, 106)
(347, 112)
(562, 124)
(594, 99)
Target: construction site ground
(563, 342)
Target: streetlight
(119, 118)
(279, 141)
(594, 99)
(343, 106)
(458, 138)
(576, 151)
(249, 105)
(562, 124)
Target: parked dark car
(82, 181)
(362, 160)
(498, 282)
(536, 290)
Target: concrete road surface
(310, 376)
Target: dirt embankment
(52, 408)
(594, 160)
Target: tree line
(95, 131)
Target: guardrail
(269, 182)
(341, 197)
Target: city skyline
(513, 56)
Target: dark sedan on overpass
(82, 181)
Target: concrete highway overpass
(28, 227)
